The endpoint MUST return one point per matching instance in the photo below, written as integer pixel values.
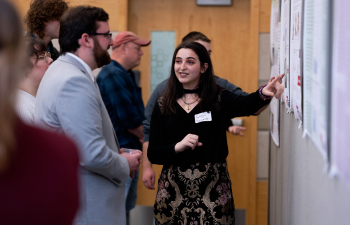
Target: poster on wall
(340, 115)
(307, 65)
(296, 58)
(274, 53)
(284, 50)
(316, 74)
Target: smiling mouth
(183, 74)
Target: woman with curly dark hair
(43, 21)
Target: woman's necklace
(188, 105)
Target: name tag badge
(201, 117)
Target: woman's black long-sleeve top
(167, 130)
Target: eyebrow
(186, 58)
(106, 32)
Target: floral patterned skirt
(198, 194)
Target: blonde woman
(38, 169)
(39, 62)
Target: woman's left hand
(274, 87)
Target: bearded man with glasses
(69, 102)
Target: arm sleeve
(248, 104)
(78, 109)
(149, 109)
(159, 152)
(229, 86)
(120, 98)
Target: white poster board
(316, 72)
(340, 90)
(295, 58)
(274, 52)
(284, 50)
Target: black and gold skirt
(194, 195)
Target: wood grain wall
(117, 10)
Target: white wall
(301, 193)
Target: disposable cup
(129, 150)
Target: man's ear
(124, 50)
(204, 67)
(86, 41)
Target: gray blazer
(68, 101)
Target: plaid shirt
(122, 98)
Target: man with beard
(122, 98)
(69, 102)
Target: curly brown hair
(41, 11)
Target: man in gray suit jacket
(68, 101)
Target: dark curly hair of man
(41, 11)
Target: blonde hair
(11, 59)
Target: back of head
(77, 21)
(43, 11)
(195, 36)
(11, 66)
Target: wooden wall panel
(265, 11)
(116, 9)
(253, 69)
(262, 202)
(227, 27)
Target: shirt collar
(119, 65)
(88, 69)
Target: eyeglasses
(45, 57)
(106, 35)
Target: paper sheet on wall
(295, 58)
(316, 72)
(284, 50)
(340, 140)
(307, 65)
(274, 52)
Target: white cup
(129, 150)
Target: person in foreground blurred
(38, 169)
(188, 137)
(39, 61)
(69, 101)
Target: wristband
(262, 96)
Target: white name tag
(201, 117)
